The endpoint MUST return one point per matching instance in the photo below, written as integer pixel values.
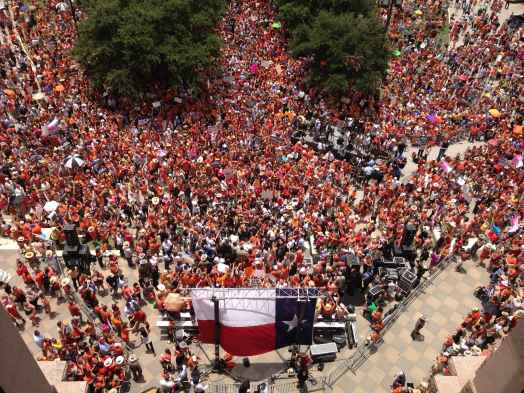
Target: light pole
(73, 13)
(390, 12)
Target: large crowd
(220, 191)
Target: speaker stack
(408, 249)
(75, 254)
(323, 352)
(407, 281)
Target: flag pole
(217, 365)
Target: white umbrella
(73, 162)
(51, 206)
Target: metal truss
(255, 293)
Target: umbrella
(495, 112)
(174, 302)
(51, 206)
(73, 162)
(276, 25)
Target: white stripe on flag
(238, 308)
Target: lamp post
(73, 13)
(390, 12)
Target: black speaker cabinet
(71, 237)
(408, 236)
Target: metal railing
(311, 385)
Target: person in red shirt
(14, 314)
(139, 317)
(39, 278)
(74, 310)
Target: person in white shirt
(38, 339)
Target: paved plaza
(444, 302)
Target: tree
(345, 39)
(129, 45)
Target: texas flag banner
(255, 321)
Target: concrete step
(54, 372)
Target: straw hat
(21, 239)
(91, 229)
(155, 201)
(49, 253)
(132, 358)
(161, 287)
(108, 362)
(29, 255)
(119, 360)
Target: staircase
(54, 372)
(463, 370)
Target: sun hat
(119, 360)
(108, 362)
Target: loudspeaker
(246, 362)
(391, 274)
(324, 352)
(409, 253)
(71, 237)
(408, 236)
(340, 340)
(375, 291)
(407, 281)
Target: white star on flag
(293, 323)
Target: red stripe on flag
(240, 341)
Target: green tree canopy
(345, 38)
(126, 45)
